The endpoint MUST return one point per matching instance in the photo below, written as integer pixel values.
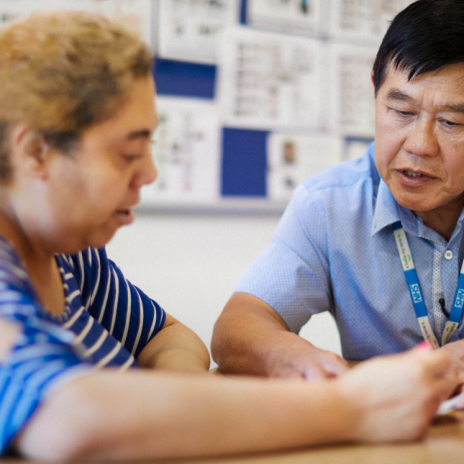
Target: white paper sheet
(456, 403)
(135, 14)
(363, 20)
(291, 16)
(188, 29)
(186, 152)
(292, 158)
(269, 80)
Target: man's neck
(442, 221)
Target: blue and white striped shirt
(107, 322)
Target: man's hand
(251, 338)
(300, 359)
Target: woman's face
(89, 194)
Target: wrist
(349, 410)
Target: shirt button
(448, 254)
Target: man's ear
(372, 78)
(29, 150)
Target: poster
(354, 147)
(351, 91)
(269, 80)
(363, 21)
(292, 158)
(189, 30)
(134, 14)
(290, 16)
(186, 152)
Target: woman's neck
(41, 266)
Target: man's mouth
(412, 174)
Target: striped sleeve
(39, 360)
(42, 355)
(122, 308)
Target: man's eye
(403, 114)
(447, 123)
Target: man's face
(419, 142)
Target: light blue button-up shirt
(334, 251)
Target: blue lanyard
(416, 292)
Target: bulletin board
(253, 95)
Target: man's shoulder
(345, 174)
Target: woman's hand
(397, 396)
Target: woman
(76, 119)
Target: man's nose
(422, 138)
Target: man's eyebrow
(141, 134)
(456, 108)
(396, 94)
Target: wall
(190, 264)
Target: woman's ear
(29, 150)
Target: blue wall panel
(244, 162)
(184, 79)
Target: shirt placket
(449, 272)
(439, 318)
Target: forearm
(244, 343)
(245, 337)
(251, 338)
(158, 415)
(141, 415)
(175, 347)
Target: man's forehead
(449, 80)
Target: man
(342, 243)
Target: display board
(253, 95)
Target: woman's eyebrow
(144, 133)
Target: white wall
(191, 263)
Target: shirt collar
(385, 210)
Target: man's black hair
(424, 37)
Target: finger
(316, 372)
(290, 373)
(444, 388)
(436, 363)
(336, 368)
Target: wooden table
(444, 444)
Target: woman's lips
(125, 216)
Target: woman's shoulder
(86, 264)
(90, 267)
(12, 269)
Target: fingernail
(425, 345)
